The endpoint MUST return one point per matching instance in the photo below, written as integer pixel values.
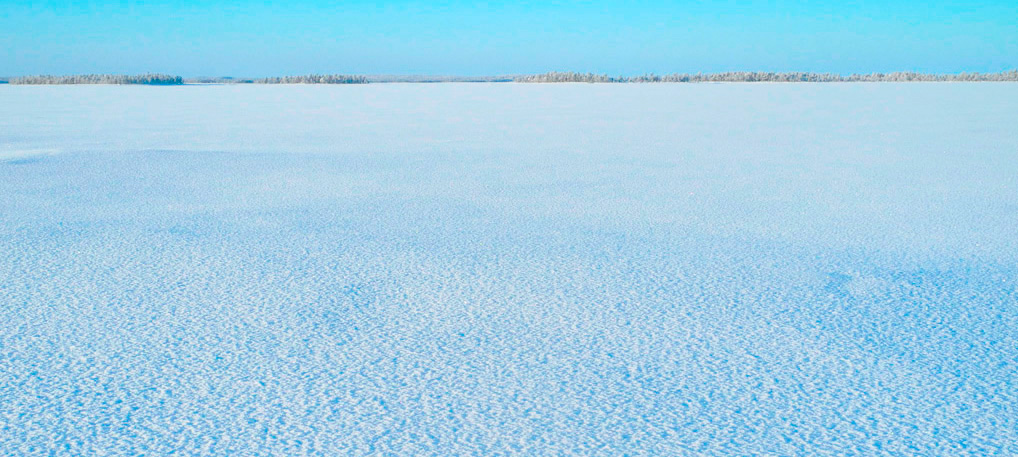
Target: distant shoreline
(153, 79)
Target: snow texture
(496, 269)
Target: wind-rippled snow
(492, 269)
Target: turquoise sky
(243, 38)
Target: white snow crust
(509, 269)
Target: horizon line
(546, 77)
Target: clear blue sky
(246, 38)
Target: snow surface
(492, 269)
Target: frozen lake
(482, 269)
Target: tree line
(314, 79)
(150, 79)
(755, 76)
(550, 77)
(164, 80)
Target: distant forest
(150, 79)
(314, 79)
(752, 76)
(165, 80)
(551, 77)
